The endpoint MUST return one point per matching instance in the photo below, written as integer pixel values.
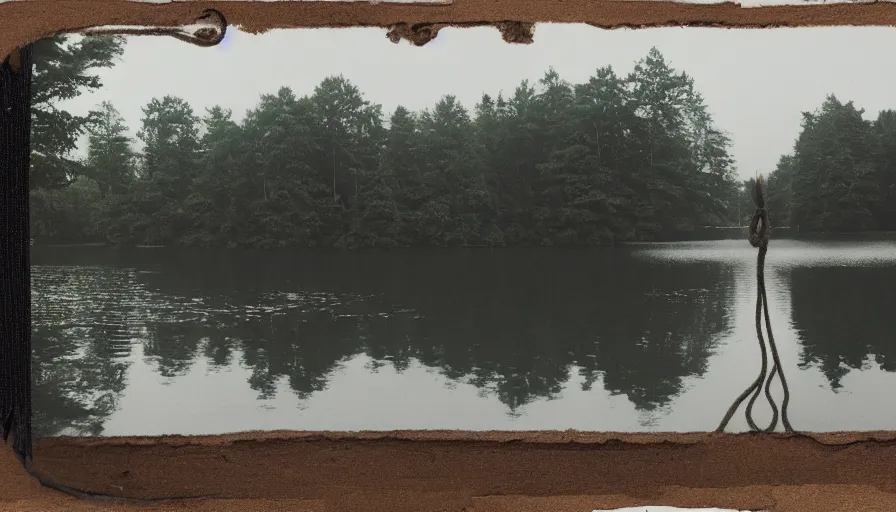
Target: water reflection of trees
(75, 385)
(519, 324)
(304, 350)
(842, 316)
(512, 323)
(79, 351)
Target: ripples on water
(653, 337)
(74, 296)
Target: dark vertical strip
(15, 270)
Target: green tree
(63, 67)
(170, 163)
(663, 175)
(885, 163)
(834, 187)
(585, 197)
(511, 138)
(110, 158)
(216, 213)
(458, 204)
(350, 131)
(779, 191)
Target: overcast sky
(756, 82)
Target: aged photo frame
(765, 468)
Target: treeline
(615, 158)
(841, 176)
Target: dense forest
(841, 176)
(617, 158)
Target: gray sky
(756, 82)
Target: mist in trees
(841, 176)
(62, 191)
(617, 158)
(614, 159)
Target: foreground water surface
(639, 338)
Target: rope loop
(759, 225)
(759, 229)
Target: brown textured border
(430, 471)
(24, 21)
(454, 470)
(525, 437)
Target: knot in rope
(759, 230)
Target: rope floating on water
(760, 232)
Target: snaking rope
(759, 237)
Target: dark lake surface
(654, 337)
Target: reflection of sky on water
(782, 254)
(358, 399)
(217, 400)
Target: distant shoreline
(794, 235)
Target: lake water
(657, 337)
